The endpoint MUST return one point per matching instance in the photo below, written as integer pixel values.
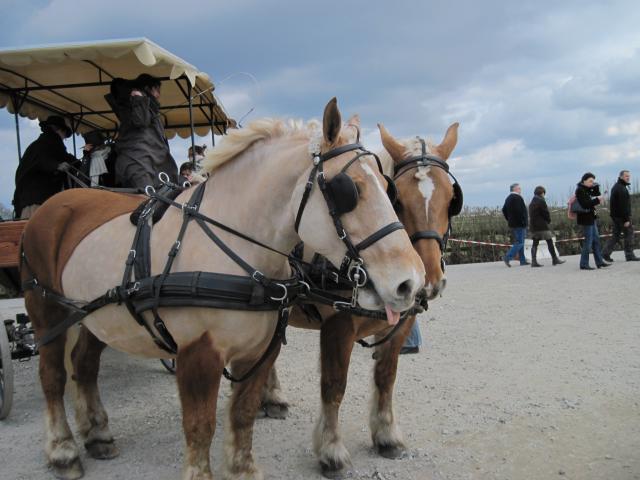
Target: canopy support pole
(17, 105)
(213, 137)
(193, 140)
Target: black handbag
(577, 208)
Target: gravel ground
(524, 374)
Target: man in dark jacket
(40, 173)
(515, 211)
(142, 148)
(620, 211)
(588, 196)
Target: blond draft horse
(258, 177)
(423, 203)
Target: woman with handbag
(587, 197)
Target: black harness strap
(363, 343)
(383, 232)
(279, 336)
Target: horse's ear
(391, 145)
(449, 141)
(331, 122)
(354, 125)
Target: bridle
(341, 196)
(428, 160)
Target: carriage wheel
(6, 374)
(169, 364)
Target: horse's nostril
(405, 288)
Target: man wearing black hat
(40, 173)
(142, 148)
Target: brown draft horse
(424, 199)
(258, 178)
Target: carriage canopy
(71, 80)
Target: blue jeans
(518, 245)
(414, 339)
(590, 243)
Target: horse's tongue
(392, 317)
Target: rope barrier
(505, 245)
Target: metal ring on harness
(164, 178)
(149, 190)
(355, 273)
(286, 293)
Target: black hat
(145, 80)
(94, 137)
(58, 122)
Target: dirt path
(525, 374)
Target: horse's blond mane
(237, 141)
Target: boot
(554, 254)
(534, 261)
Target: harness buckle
(257, 276)
(283, 297)
(343, 235)
(133, 289)
(189, 209)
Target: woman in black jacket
(588, 196)
(142, 148)
(539, 221)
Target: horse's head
(426, 198)
(345, 214)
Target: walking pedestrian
(588, 196)
(515, 211)
(539, 221)
(620, 211)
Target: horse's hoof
(392, 452)
(68, 471)
(333, 470)
(276, 410)
(102, 450)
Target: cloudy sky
(543, 90)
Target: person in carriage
(41, 171)
(98, 159)
(142, 148)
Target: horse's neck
(252, 194)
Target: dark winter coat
(620, 202)
(141, 145)
(37, 176)
(515, 211)
(539, 216)
(587, 198)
